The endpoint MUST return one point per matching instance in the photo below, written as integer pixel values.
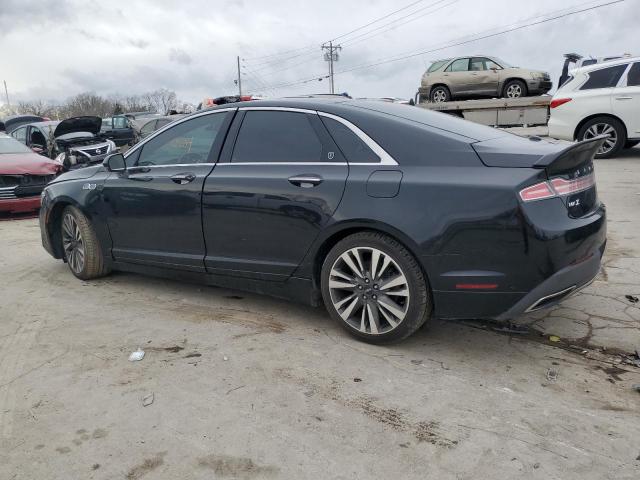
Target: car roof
(48, 123)
(608, 63)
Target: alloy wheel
(369, 290)
(598, 129)
(72, 243)
(439, 96)
(514, 91)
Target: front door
(154, 207)
(279, 181)
(626, 101)
(484, 76)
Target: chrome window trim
(141, 143)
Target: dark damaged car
(74, 142)
(387, 214)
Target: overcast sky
(52, 49)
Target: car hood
(79, 173)
(27, 164)
(78, 124)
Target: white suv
(601, 99)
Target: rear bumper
(560, 128)
(19, 205)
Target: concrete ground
(247, 387)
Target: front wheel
(374, 287)
(514, 89)
(80, 245)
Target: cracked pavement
(249, 387)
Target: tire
(440, 94)
(631, 143)
(346, 293)
(80, 245)
(514, 89)
(603, 126)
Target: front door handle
(183, 178)
(306, 180)
(624, 98)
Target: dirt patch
(99, 433)
(236, 467)
(148, 465)
(174, 349)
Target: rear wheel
(605, 126)
(80, 245)
(440, 94)
(514, 89)
(375, 289)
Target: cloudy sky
(52, 49)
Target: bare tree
(161, 101)
(37, 107)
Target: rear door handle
(624, 98)
(306, 180)
(183, 178)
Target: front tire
(374, 288)
(605, 126)
(514, 89)
(80, 245)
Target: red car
(23, 175)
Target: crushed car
(23, 176)
(74, 142)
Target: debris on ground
(631, 298)
(554, 338)
(511, 328)
(137, 355)
(552, 374)
(636, 387)
(225, 358)
(148, 400)
(357, 379)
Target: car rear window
(604, 78)
(276, 137)
(352, 147)
(10, 145)
(437, 65)
(633, 77)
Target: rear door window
(276, 137)
(20, 134)
(633, 77)
(604, 78)
(460, 65)
(352, 147)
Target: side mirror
(115, 163)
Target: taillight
(539, 191)
(557, 187)
(556, 102)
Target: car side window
(276, 137)
(120, 122)
(352, 147)
(460, 65)
(633, 77)
(477, 64)
(20, 134)
(186, 142)
(148, 127)
(604, 78)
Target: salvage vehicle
(23, 175)
(481, 76)
(9, 124)
(73, 142)
(573, 61)
(600, 99)
(146, 126)
(386, 213)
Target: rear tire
(374, 288)
(605, 126)
(514, 89)
(80, 245)
(440, 94)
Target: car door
(626, 101)
(121, 132)
(484, 73)
(153, 209)
(20, 134)
(279, 181)
(458, 77)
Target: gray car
(481, 76)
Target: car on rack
(600, 99)
(9, 124)
(73, 142)
(387, 214)
(23, 176)
(480, 76)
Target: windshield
(11, 145)
(437, 65)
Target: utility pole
(6, 93)
(239, 79)
(331, 56)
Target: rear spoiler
(571, 157)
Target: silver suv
(480, 76)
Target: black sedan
(387, 214)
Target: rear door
(626, 101)
(278, 183)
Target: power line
(459, 42)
